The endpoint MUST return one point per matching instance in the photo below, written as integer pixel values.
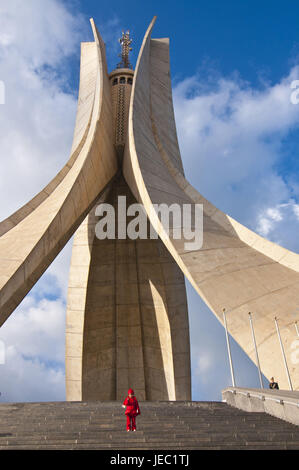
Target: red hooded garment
(132, 407)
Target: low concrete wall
(280, 403)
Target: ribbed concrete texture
(162, 425)
(131, 323)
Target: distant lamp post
(228, 350)
(283, 354)
(256, 353)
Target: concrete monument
(127, 318)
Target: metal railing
(263, 397)
(256, 349)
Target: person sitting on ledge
(273, 384)
(132, 410)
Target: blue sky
(232, 64)
(254, 38)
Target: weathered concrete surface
(34, 236)
(283, 404)
(235, 269)
(127, 316)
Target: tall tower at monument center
(134, 332)
(121, 80)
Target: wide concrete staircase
(162, 425)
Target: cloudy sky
(232, 66)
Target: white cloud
(30, 380)
(39, 32)
(264, 226)
(296, 210)
(267, 220)
(204, 363)
(280, 224)
(275, 214)
(34, 352)
(231, 137)
(43, 320)
(37, 122)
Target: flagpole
(283, 355)
(256, 352)
(228, 350)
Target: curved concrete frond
(235, 268)
(29, 246)
(88, 76)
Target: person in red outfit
(132, 410)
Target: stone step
(154, 438)
(144, 446)
(162, 425)
(165, 426)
